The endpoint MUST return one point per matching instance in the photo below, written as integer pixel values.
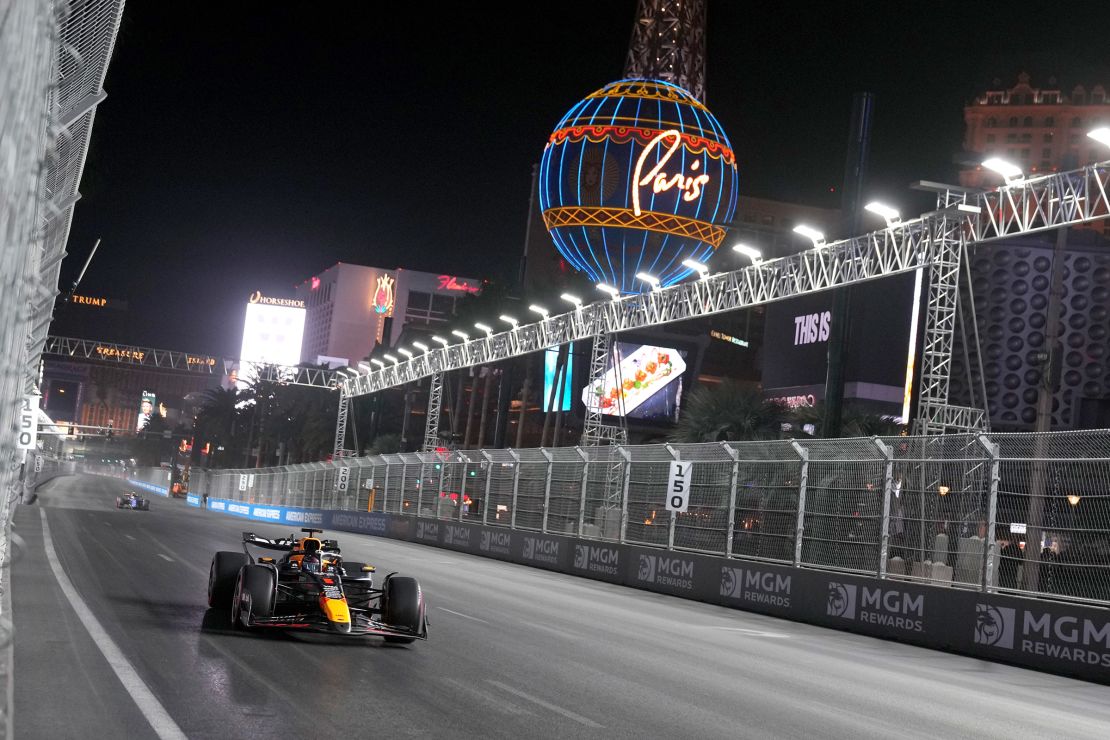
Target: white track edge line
(152, 709)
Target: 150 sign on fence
(28, 423)
(678, 486)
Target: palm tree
(728, 412)
(217, 419)
(854, 422)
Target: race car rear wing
(284, 543)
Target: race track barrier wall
(1063, 638)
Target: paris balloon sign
(638, 177)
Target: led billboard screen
(645, 383)
(550, 365)
(272, 334)
(796, 345)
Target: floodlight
(812, 234)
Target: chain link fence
(1007, 512)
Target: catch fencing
(960, 510)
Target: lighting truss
(125, 354)
(935, 240)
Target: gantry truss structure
(934, 240)
(125, 354)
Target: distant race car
(132, 501)
(311, 587)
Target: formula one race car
(311, 587)
(132, 501)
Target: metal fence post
(420, 490)
(624, 495)
(990, 547)
(888, 482)
(546, 488)
(803, 474)
(401, 498)
(385, 487)
(516, 485)
(489, 481)
(462, 483)
(731, 496)
(674, 514)
(585, 485)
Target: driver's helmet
(132, 497)
(310, 563)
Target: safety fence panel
(939, 509)
(1054, 514)
(765, 514)
(473, 472)
(500, 487)
(531, 490)
(960, 510)
(603, 511)
(646, 517)
(703, 527)
(566, 490)
(843, 504)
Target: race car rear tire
(257, 582)
(403, 606)
(222, 576)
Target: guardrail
(952, 510)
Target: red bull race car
(310, 587)
(132, 501)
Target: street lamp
(482, 327)
(421, 346)
(649, 279)
(509, 320)
(540, 310)
(461, 335)
(1010, 172)
(606, 288)
(812, 234)
(1101, 135)
(572, 299)
(698, 267)
(750, 252)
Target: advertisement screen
(644, 382)
(796, 344)
(146, 409)
(550, 366)
(272, 334)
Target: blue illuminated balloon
(637, 177)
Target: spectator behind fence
(1010, 558)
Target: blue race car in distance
(132, 501)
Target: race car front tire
(255, 586)
(403, 606)
(222, 576)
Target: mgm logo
(994, 626)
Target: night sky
(246, 146)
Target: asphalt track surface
(514, 652)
